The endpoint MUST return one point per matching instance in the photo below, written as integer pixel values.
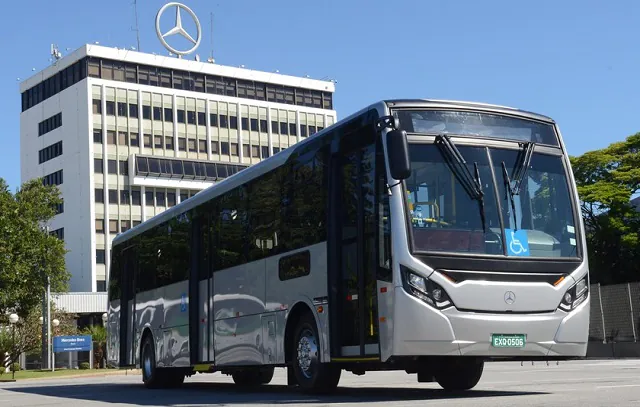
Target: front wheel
(310, 374)
(461, 374)
(151, 377)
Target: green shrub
(84, 365)
(15, 367)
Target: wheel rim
(307, 353)
(147, 361)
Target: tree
(27, 254)
(607, 179)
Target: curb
(79, 376)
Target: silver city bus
(417, 235)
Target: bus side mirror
(398, 149)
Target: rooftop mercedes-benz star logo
(509, 297)
(178, 29)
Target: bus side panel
(148, 314)
(290, 280)
(113, 334)
(239, 302)
(176, 323)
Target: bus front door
(356, 314)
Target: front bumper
(422, 330)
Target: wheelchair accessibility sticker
(517, 242)
(183, 303)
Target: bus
(425, 236)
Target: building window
(49, 153)
(135, 141)
(202, 146)
(160, 199)
(99, 195)
(125, 225)
(59, 233)
(122, 138)
(157, 141)
(97, 106)
(99, 223)
(100, 256)
(49, 124)
(147, 140)
(148, 197)
(168, 114)
(111, 137)
(97, 136)
(168, 142)
(101, 286)
(133, 111)
(54, 178)
(135, 197)
(113, 196)
(111, 108)
(146, 112)
(124, 197)
(112, 166)
(177, 79)
(171, 199)
(124, 167)
(182, 144)
(113, 226)
(98, 166)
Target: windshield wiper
(456, 162)
(523, 161)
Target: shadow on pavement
(199, 393)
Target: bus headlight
(428, 291)
(575, 295)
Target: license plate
(508, 340)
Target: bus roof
(456, 104)
(281, 158)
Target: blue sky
(576, 61)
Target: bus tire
(311, 375)
(461, 374)
(151, 375)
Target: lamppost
(105, 318)
(55, 324)
(13, 318)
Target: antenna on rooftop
(210, 59)
(137, 29)
(55, 53)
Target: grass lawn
(43, 374)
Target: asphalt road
(583, 383)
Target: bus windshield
(447, 216)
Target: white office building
(125, 135)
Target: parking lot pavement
(581, 383)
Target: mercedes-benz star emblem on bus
(178, 29)
(509, 297)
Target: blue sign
(183, 303)
(72, 343)
(517, 242)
